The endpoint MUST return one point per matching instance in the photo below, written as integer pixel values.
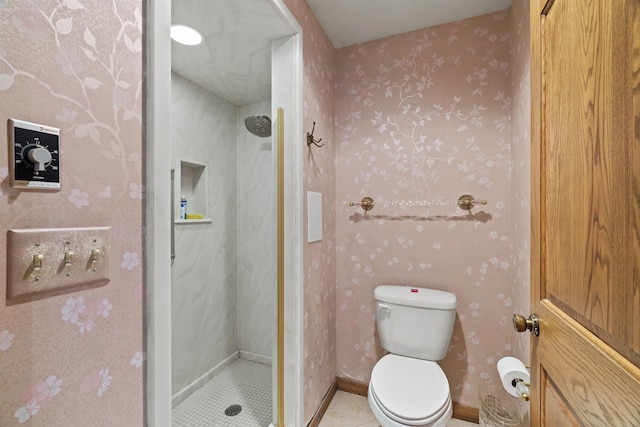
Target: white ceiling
(348, 22)
(235, 60)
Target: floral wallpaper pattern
(419, 118)
(38, 397)
(423, 118)
(76, 65)
(75, 312)
(521, 155)
(319, 176)
(521, 174)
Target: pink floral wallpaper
(521, 155)
(76, 359)
(423, 118)
(319, 176)
(419, 118)
(521, 173)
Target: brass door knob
(531, 324)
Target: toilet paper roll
(511, 369)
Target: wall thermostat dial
(34, 156)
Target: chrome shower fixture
(258, 125)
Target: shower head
(258, 125)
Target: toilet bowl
(408, 387)
(405, 391)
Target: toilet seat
(410, 391)
(384, 417)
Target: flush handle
(384, 309)
(531, 324)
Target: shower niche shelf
(191, 182)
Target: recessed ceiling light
(186, 35)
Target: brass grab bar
(465, 202)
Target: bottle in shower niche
(183, 207)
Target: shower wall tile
(204, 289)
(257, 276)
(76, 359)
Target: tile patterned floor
(242, 383)
(248, 384)
(351, 410)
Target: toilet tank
(415, 322)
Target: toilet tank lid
(416, 297)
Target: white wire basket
(495, 412)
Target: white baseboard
(255, 357)
(199, 382)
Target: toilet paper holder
(522, 388)
(515, 377)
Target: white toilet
(407, 386)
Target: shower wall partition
(223, 277)
(257, 273)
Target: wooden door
(586, 212)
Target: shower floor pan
(242, 390)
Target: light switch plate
(47, 262)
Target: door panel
(597, 384)
(557, 412)
(588, 168)
(586, 211)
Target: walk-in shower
(223, 281)
(224, 274)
